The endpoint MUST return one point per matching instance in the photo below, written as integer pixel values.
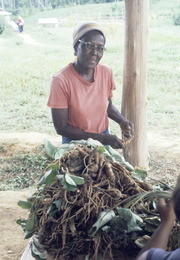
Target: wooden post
(134, 80)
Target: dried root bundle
(67, 210)
(64, 217)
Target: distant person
(80, 94)
(157, 244)
(20, 24)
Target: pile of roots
(64, 233)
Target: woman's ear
(75, 48)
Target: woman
(80, 95)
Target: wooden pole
(134, 80)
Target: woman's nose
(95, 50)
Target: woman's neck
(85, 73)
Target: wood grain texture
(134, 97)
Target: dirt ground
(164, 165)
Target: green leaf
(58, 204)
(37, 252)
(104, 217)
(92, 142)
(128, 166)
(89, 142)
(83, 142)
(119, 158)
(28, 233)
(49, 148)
(62, 150)
(25, 204)
(59, 154)
(106, 229)
(69, 187)
(59, 176)
(66, 185)
(36, 243)
(30, 224)
(126, 220)
(54, 207)
(54, 167)
(69, 180)
(66, 146)
(78, 180)
(134, 199)
(75, 168)
(118, 223)
(22, 223)
(102, 149)
(52, 210)
(115, 154)
(140, 173)
(49, 177)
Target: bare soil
(164, 165)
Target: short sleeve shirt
(160, 254)
(87, 103)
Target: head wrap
(81, 29)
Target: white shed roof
(5, 13)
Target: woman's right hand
(113, 141)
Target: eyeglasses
(91, 47)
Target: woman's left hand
(127, 129)
(166, 211)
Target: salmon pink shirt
(87, 103)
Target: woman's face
(89, 50)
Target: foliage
(1, 25)
(22, 170)
(107, 150)
(79, 209)
(176, 19)
(21, 6)
(118, 219)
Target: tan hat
(81, 29)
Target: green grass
(26, 69)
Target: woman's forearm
(75, 133)
(159, 239)
(60, 120)
(114, 114)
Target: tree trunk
(134, 80)
(30, 4)
(2, 4)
